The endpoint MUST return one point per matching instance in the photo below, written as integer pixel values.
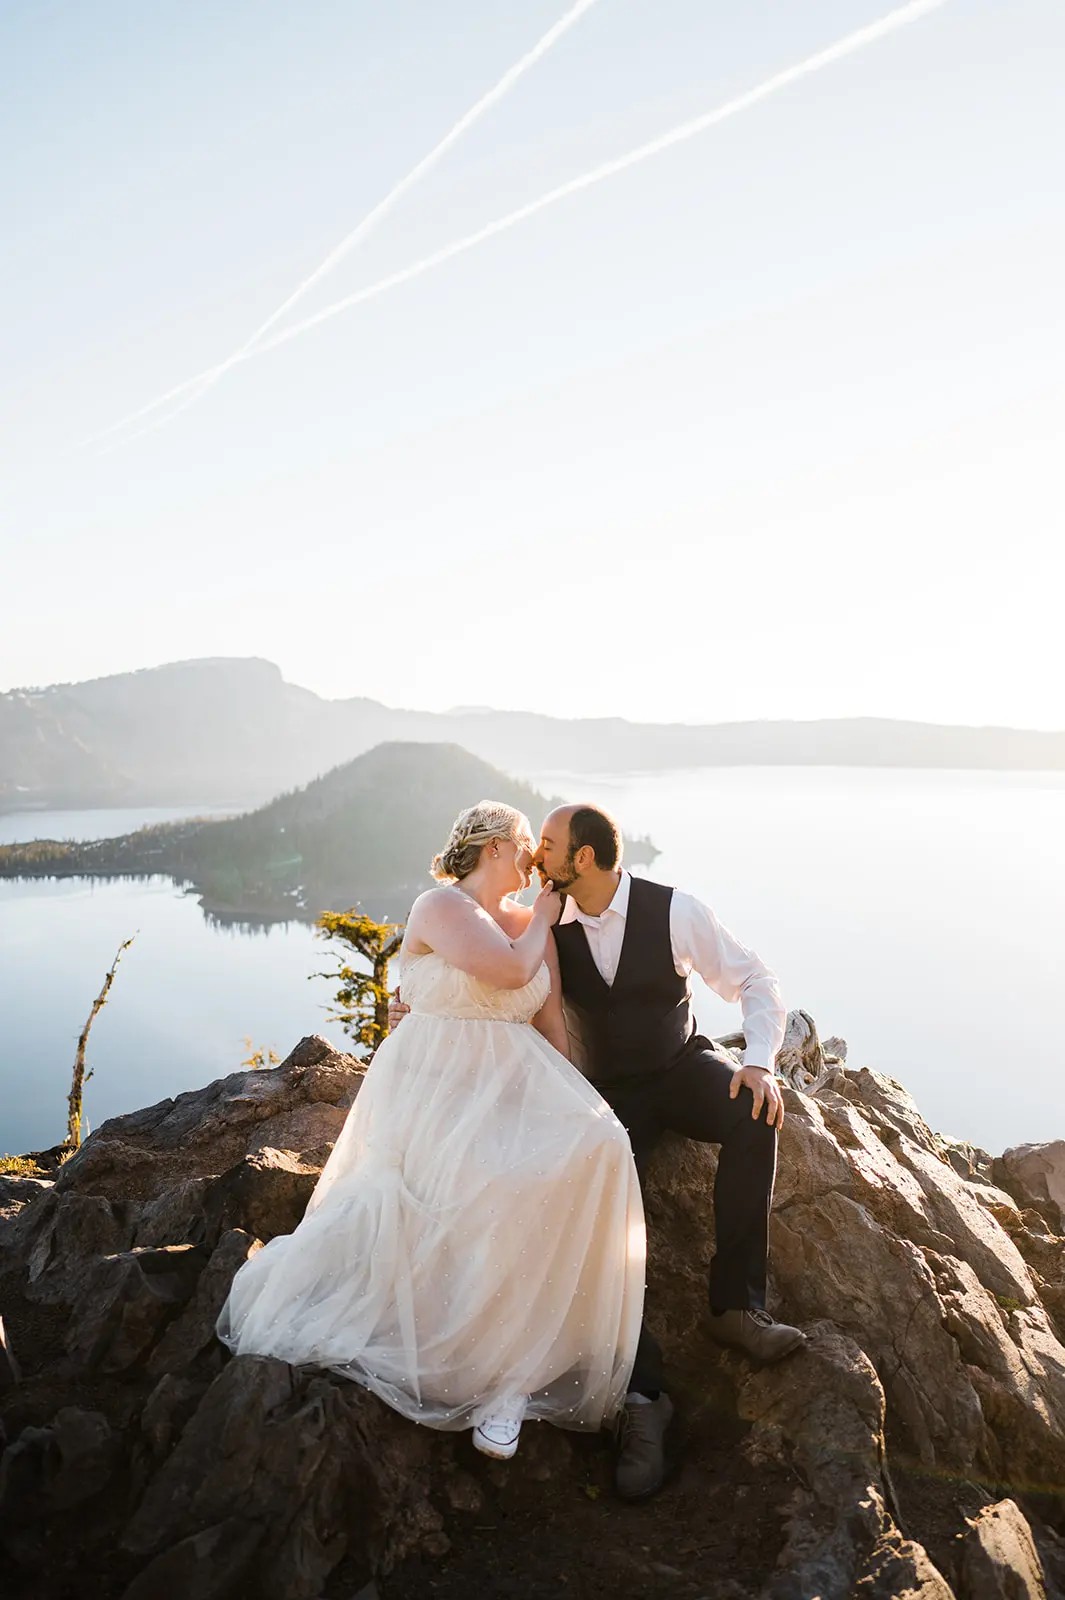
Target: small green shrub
(19, 1167)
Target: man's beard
(561, 883)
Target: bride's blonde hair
(471, 831)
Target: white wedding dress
(476, 1235)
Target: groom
(626, 947)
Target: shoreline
(30, 804)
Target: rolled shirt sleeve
(704, 945)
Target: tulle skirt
(476, 1236)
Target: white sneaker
(496, 1434)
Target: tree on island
(362, 999)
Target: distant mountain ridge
(224, 729)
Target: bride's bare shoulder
(445, 900)
(433, 911)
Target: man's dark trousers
(659, 1075)
(691, 1097)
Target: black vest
(641, 1022)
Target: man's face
(554, 858)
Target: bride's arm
(550, 1020)
(455, 927)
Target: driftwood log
(804, 1061)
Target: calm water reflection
(109, 823)
(186, 994)
(916, 913)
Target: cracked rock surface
(915, 1447)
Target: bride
(474, 1250)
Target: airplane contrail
(350, 240)
(851, 42)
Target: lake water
(917, 914)
(186, 994)
(104, 823)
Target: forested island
(362, 834)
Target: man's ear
(584, 858)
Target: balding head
(556, 824)
(575, 841)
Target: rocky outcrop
(206, 1130)
(143, 1462)
(874, 1229)
(1034, 1174)
(999, 1559)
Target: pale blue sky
(770, 425)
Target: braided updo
(471, 831)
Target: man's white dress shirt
(700, 944)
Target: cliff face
(915, 1448)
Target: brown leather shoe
(756, 1334)
(640, 1468)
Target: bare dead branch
(81, 1077)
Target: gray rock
(313, 1072)
(129, 1300)
(1050, 1548)
(1016, 1365)
(900, 1569)
(265, 1194)
(976, 1236)
(926, 1290)
(99, 1158)
(833, 1258)
(999, 1557)
(167, 1410)
(968, 1160)
(874, 1229)
(305, 1128)
(17, 1191)
(83, 1453)
(888, 1103)
(192, 1331)
(1035, 1175)
(821, 1412)
(133, 1159)
(275, 1455)
(62, 1238)
(205, 1566)
(48, 1472)
(175, 1215)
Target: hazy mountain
(188, 732)
(365, 832)
(219, 730)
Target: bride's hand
(548, 904)
(396, 1010)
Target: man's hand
(396, 1010)
(763, 1086)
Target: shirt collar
(619, 906)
